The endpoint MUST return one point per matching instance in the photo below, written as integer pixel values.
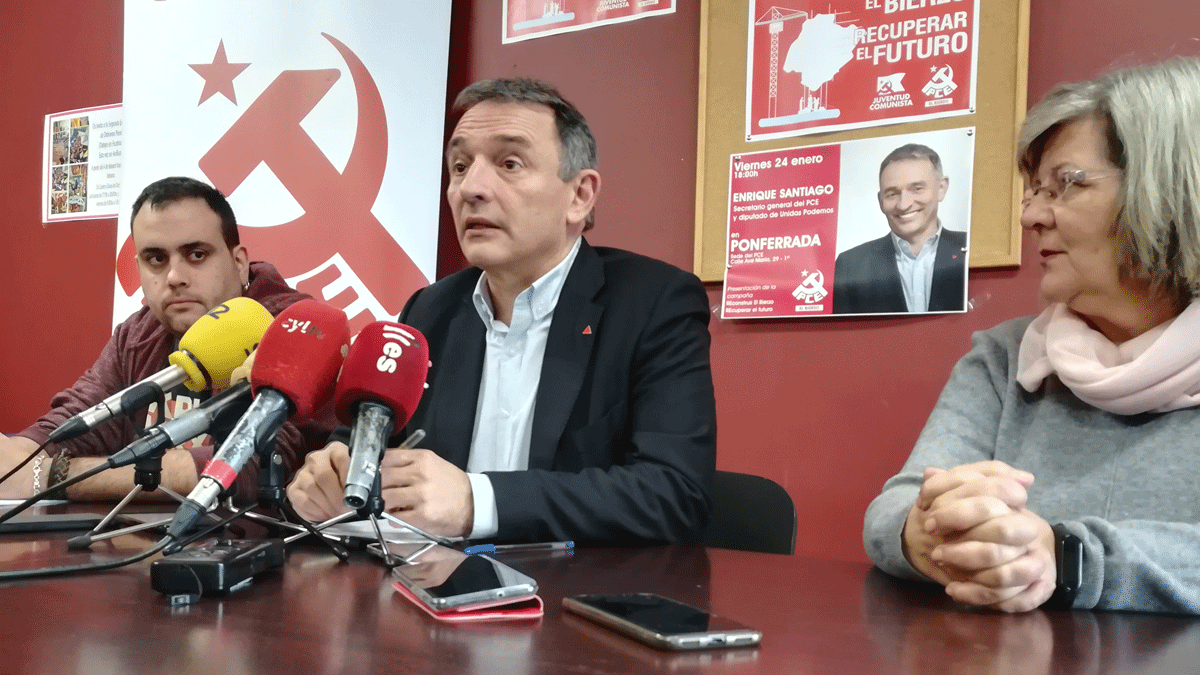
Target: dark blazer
(866, 280)
(623, 445)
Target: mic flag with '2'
(379, 388)
(293, 375)
(208, 352)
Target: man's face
(909, 194)
(513, 214)
(185, 266)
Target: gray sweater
(1127, 485)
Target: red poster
(816, 66)
(870, 227)
(527, 19)
(783, 216)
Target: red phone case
(529, 607)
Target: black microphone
(217, 412)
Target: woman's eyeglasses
(1056, 190)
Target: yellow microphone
(208, 352)
(220, 341)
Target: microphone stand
(373, 508)
(272, 496)
(147, 477)
(371, 511)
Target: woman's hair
(1152, 120)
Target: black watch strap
(1068, 562)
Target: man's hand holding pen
(417, 486)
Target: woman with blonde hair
(1060, 464)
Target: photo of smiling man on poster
(920, 264)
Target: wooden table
(321, 616)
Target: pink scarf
(1157, 371)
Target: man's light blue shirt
(916, 271)
(512, 367)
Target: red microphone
(381, 383)
(293, 375)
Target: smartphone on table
(453, 586)
(662, 622)
(50, 522)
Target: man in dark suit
(919, 266)
(570, 393)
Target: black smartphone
(446, 579)
(662, 622)
(50, 522)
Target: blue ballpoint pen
(535, 546)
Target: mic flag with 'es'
(293, 375)
(379, 388)
(208, 352)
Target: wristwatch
(1068, 563)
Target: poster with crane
(815, 66)
(527, 19)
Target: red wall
(57, 290)
(828, 408)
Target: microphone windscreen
(220, 341)
(387, 364)
(300, 355)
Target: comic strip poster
(528, 19)
(81, 164)
(876, 226)
(817, 66)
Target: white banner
(322, 123)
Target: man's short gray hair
(1151, 115)
(912, 151)
(576, 144)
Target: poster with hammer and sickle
(321, 123)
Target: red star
(218, 75)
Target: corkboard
(1000, 107)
